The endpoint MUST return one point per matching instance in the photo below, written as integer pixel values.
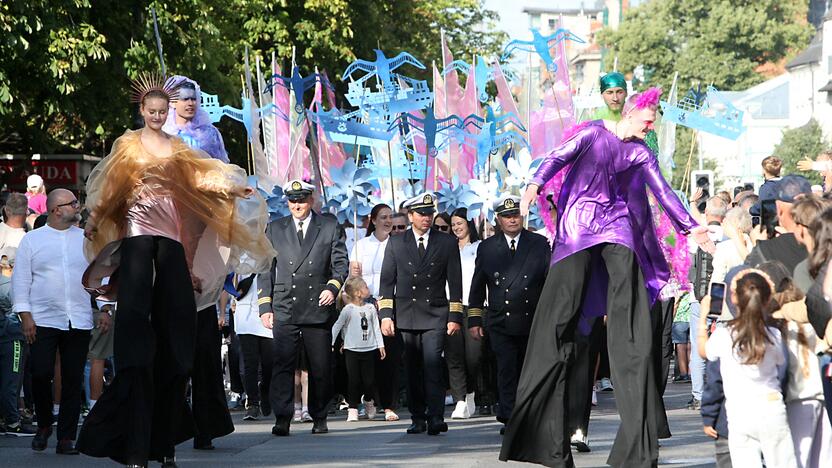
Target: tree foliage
(64, 77)
(723, 42)
(801, 143)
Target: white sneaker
(472, 404)
(305, 417)
(461, 410)
(594, 398)
(298, 415)
(605, 385)
(352, 415)
(579, 441)
(370, 407)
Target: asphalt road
(469, 443)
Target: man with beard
(55, 314)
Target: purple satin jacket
(603, 200)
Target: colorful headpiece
(147, 82)
(643, 100)
(613, 80)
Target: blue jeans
(11, 371)
(697, 364)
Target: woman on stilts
(164, 217)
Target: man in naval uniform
(298, 298)
(512, 268)
(417, 266)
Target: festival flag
(504, 96)
(279, 144)
(260, 164)
(667, 136)
(463, 165)
(330, 154)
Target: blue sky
(516, 23)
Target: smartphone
(768, 216)
(717, 298)
(755, 221)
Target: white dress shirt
(515, 238)
(305, 227)
(468, 256)
(424, 238)
(47, 279)
(369, 252)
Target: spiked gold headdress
(147, 82)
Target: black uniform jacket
(292, 286)
(514, 283)
(416, 287)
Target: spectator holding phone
(783, 247)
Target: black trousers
(581, 378)
(388, 371)
(258, 352)
(235, 360)
(463, 355)
(537, 430)
(661, 315)
(73, 345)
(361, 372)
(317, 342)
(143, 414)
(211, 416)
(510, 351)
(425, 373)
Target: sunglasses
(73, 203)
(443, 228)
(399, 227)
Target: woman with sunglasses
(365, 261)
(462, 353)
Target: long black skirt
(537, 431)
(143, 414)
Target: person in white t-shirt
(256, 345)
(751, 357)
(366, 258)
(13, 227)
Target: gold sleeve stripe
(335, 283)
(456, 307)
(385, 303)
(474, 312)
(264, 300)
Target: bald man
(55, 314)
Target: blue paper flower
(455, 195)
(521, 168)
(351, 191)
(487, 193)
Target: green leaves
(801, 143)
(723, 42)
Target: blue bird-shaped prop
(430, 127)
(297, 84)
(382, 67)
(541, 45)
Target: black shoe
(41, 439)
(436, 427)
(485, 410)
(252, 413)
(694, 404)
(203, 443)
(168, 462)
(418, 427)
(66, 447)
(503, 430)
(19, 429)
(319, 426)
(265, 408)
(281, 427)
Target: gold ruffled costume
(188, 197)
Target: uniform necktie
(513, 246)
(300, 232)
(421, 247)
